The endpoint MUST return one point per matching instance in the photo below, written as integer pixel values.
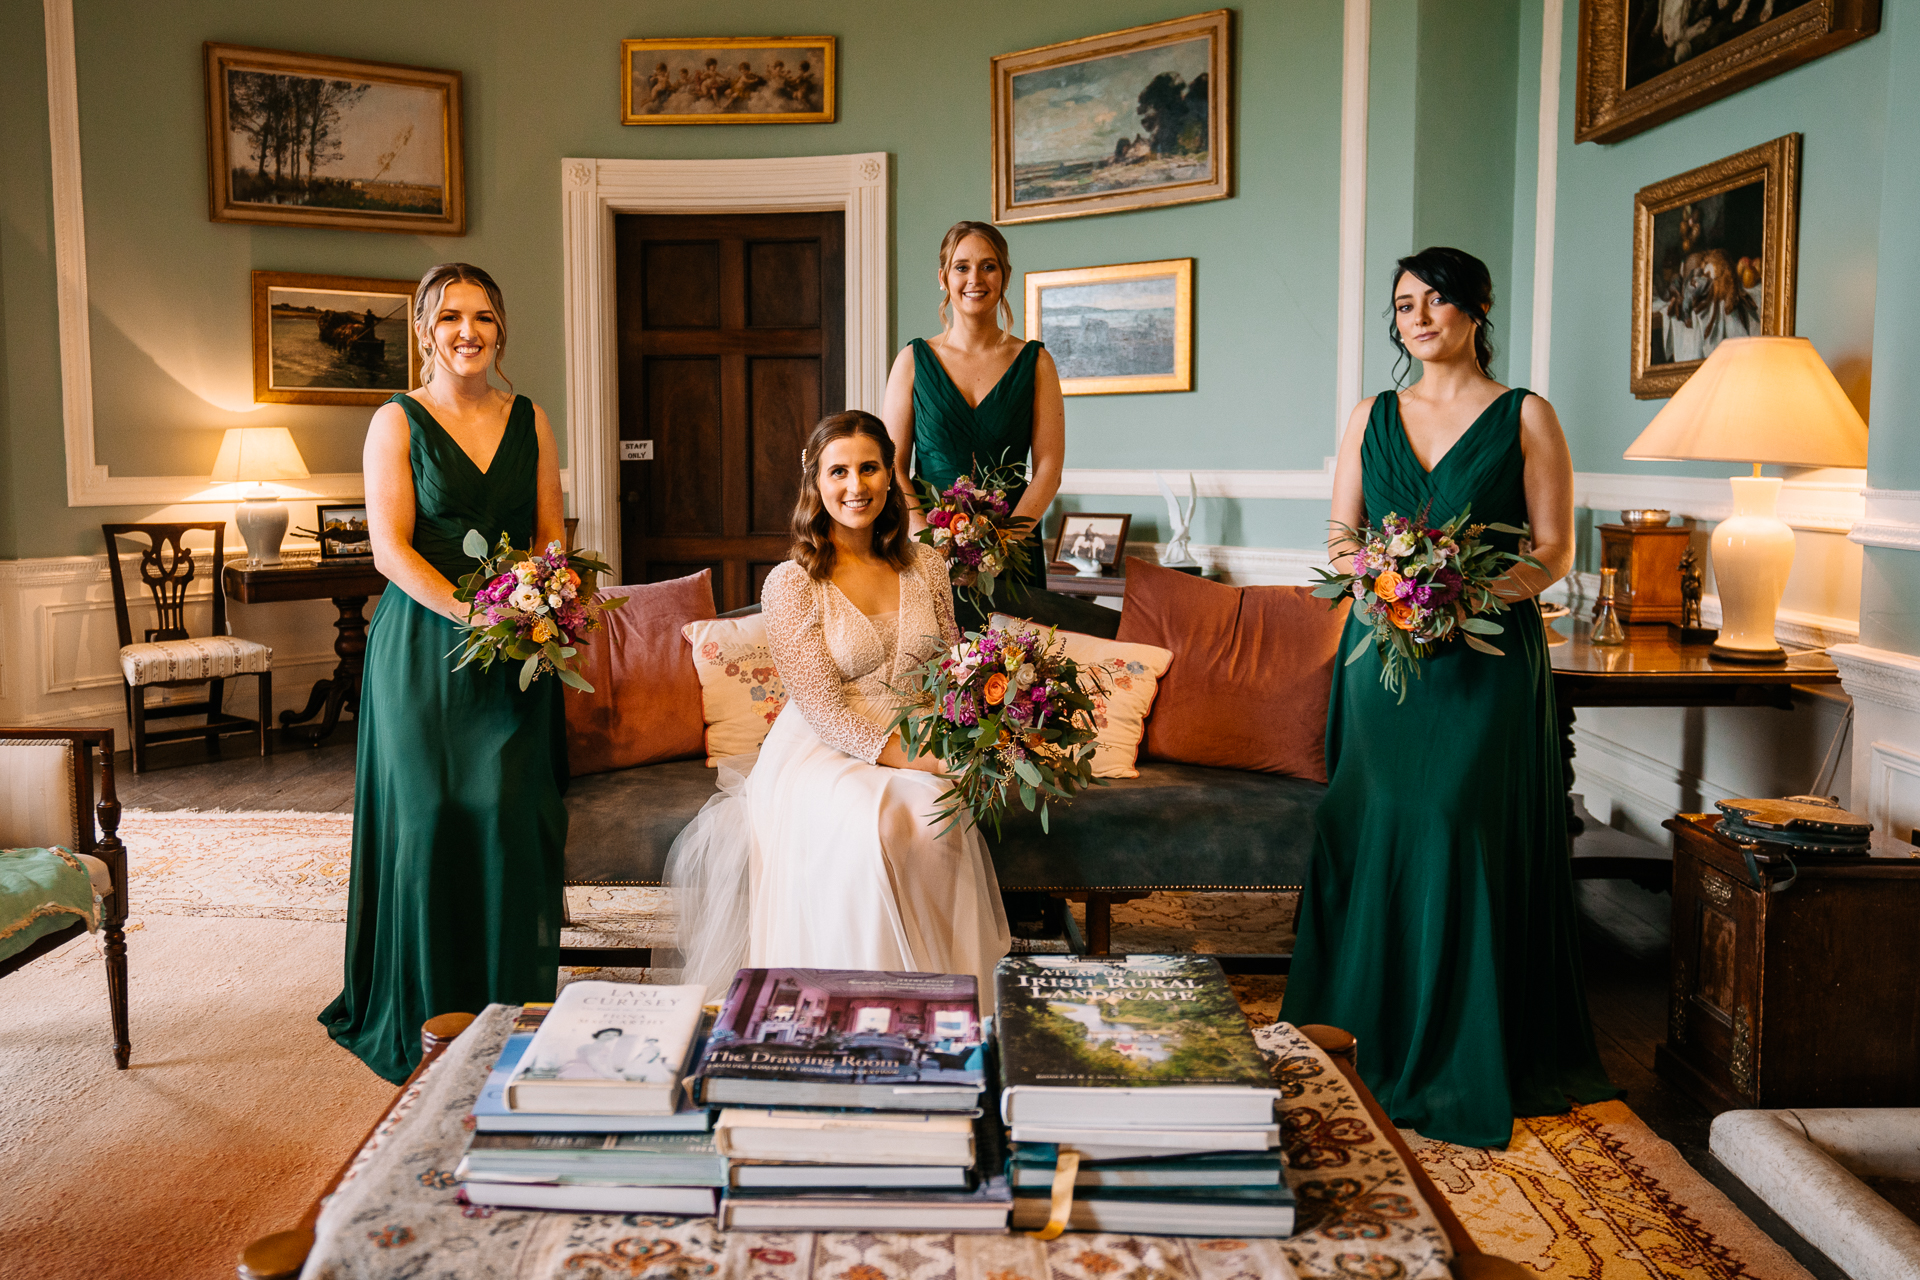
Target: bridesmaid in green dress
(458, 826)
(976, 394)
(1438, 922)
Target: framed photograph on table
(1093, 538)
(1116, 329)
(728, 80)
(343, 531)
(1715, 256)
(1131, 119)
(300, 139)
(1642, 62)
(332, 339)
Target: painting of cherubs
(781, 81)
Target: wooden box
(1646, 582)
(1809, 997)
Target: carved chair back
(167, 567)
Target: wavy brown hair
(813, 528)
(991, 234)
(426, 305)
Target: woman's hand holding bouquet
(972, 522)
(1419, 586)
(1006, 712)
(529, 607)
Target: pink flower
(939, 518)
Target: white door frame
(594, 190)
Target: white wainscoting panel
(1885, 687)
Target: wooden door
(731, 332)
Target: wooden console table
(1653, 669)
(348, 583)
(1800, 998)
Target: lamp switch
(636, 451)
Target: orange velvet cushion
(645, 704)
(1252, 670)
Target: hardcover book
(608, 1047)
(846, 1038)
(1147, 1041)
(1164, 1211)
(491, 1114)
(624, 1159)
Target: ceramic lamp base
(1752, 555)
(263, 523)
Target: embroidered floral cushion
(1132, 673)
(740, 689)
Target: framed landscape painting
(727, 80)
(1642, 62)
(1714, 257)
(1116, 329)
(298, 139)
(332, 339)
(1128, 120)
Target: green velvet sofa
(1176, 826)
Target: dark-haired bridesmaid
(1438, 922)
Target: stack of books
(851, 1101)
(584, 1110)
(1145, 1069)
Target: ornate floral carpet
(1594, 1194)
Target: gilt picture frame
(1118, 329)
(313, 343)
(729, 80)
(307, 140)
(1131, 119)
(1643, 62)
(1715, 256)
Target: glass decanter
(1606, 622)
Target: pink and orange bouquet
(530, 607)
(1008, 713)
(973, 522)
(1419, 586)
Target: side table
(1808, 997)
(348, 583)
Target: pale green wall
(170, 289)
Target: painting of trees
(293, 121)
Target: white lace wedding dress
(812, 856)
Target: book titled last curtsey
(608, 1047)
(845, 1038)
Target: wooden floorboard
(296, 776)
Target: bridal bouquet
(1007, 712)
(1419, 586)
(529, 607)
(973, 522)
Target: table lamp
(260, 454)
(1756, 400)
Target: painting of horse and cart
(331, 339)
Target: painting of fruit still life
(1713, 259)
(331, 339)
(1126, 120)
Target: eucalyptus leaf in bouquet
(529, 607)
(972, 521)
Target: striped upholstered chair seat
(199, 658)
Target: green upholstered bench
(1176, 826)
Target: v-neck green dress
(458, 825)
(1438, 922)
(949, 435)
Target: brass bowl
(1644, 517)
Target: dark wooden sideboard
(346, 582)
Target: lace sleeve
(795, 611)
(933, 572)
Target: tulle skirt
(809, 858)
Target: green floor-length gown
(951, 438)
(1438, 921)
(458, 826)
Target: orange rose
(1387, 584)
(996, 688)
(1400, 614)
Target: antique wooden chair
(168, 657)
(46, 800)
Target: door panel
(730, 333)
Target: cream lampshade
(260, 454)
(1756, 400)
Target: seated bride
(823, 852)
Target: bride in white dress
(823, 852)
